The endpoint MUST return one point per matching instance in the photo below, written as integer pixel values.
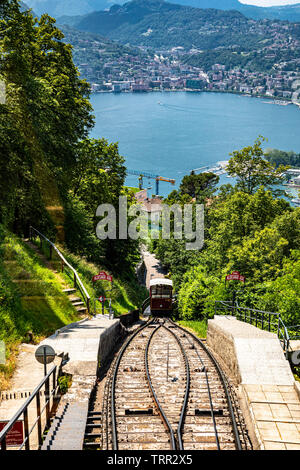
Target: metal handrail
(77, 280)
(261, 318)
(24, 411)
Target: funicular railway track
(165, 391)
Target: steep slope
(33, 296)
(286, 12)
(218, 4)
(68, 7)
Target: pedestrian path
(68, 426)
(268, 391)
(86, 344)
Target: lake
(171, 133)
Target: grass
(125, 293)
(133, 189)
(31, 299)
(199, 327)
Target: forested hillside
(159, 24)
(95, 50)
(44, 147)
(53, 177)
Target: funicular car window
(161, 292)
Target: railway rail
(164, 390)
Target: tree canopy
(52, 175)
(279, 157)
(252, 170)
(199, 186)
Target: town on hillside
(165, 70)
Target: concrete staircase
(53, 265)
(67, 429)
(76, 301)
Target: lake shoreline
(172, 133)
(272, 99)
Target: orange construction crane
(144, 174)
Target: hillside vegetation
(125, 293)
(159, 24)
(32, 297)
(85, 52)
(53, 177)
(249, 228)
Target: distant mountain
(59, 8)
(217, 4)
(159, 24)
(286, 12)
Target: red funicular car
(161, 292)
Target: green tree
(45, 114)
(99, 173)
(252, 170)
(288, 225)
(258, 258)
(235, 219)
(283, 293)
(279, 157)
(176, 258)
(177, 197)
(200, 186)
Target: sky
(269, 3)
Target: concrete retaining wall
(111, 335)
(253, 356)
(108, 339)
(130, 318)
(222, 343)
